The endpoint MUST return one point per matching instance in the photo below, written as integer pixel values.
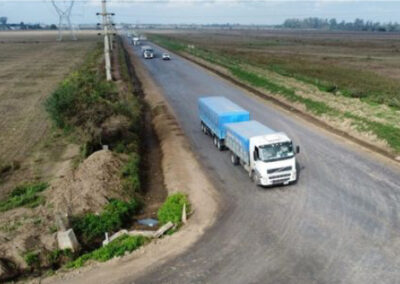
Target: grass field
(350, 80)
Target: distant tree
(22, 25)
(332, 24)
(53, 27)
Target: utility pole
(64, 16)
(107, 41)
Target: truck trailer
(215, 113)
(267, 155)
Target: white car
(166, 56)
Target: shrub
(130, 173)
(56, 257)
(78, 98)
(91, 227)
(171, 210)
(117, 247)
(32, 259)
(24, 195)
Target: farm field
(350, 80)
(32, 66)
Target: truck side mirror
(255, 156)
(297, 149)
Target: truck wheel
(234, 159)
(215, 140)
(203, 128)
(219, 145)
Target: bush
(90, 228)
(130, 173)
(24, 195)
(171, 210)
(117, 247)
(79, 98)
(32, 259)
(56, 257)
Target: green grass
(389, 133)
(32, 259)
(24, 195)
(117, 247)
(171, 210)
(255, 80)
(130, 174)
(79, 97)
(90, 228)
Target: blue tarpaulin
(215, 112)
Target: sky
(267, 12)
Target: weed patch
(171, 210)
(24, 195)
(130, 174)
(90, 228)
(387, 132)
(32, 259)
(117, 247)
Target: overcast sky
(199, 12)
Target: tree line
(333, 24)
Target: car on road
(166, 56)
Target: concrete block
(118, 234)
(163, 230)
(67, 240)
(184, 216)
(148, 234)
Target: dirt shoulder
(182, 172)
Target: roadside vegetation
(90, 228)
(334, 91)
(171, 210)
(118, 247)
(24, 195)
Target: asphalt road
(339, 224)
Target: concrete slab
(67, 240)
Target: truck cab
(148, 53)
(272, 159)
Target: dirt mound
(90, 187)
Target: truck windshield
(277, 151)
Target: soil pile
(85, 189)
(90, 187)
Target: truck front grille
(285, 169)
(279, 181)
(280, 176)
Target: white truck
(268, 156)
(148, 52)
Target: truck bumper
(266, 181)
